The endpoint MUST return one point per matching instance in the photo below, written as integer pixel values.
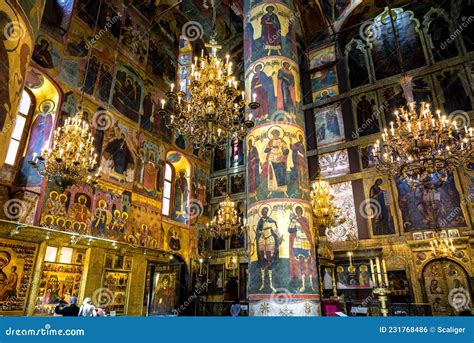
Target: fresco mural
(438, 30)
(128, 92)
(40, 133)
(323, 79)
(344, 200)
(357, 63)
(201, 189)
(367, 156)
(383, 49)
(324, 94)
(277, 166)
(334, 164)
(134, 36)
(367, 114)
(149, 169)
(329, 125)
(15, 51)
(334, 9)
(427, 209)
(46, 52)
(119, 155)
(322, 57)
(274, 83)
(269, 30)
(455, 94)
(282, 251)
(17, 261)
(379, 206)
(276, 162)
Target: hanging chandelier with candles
(423, 148)
(442, 246)
(210, 109)
(72, 157)
(226, 222)
(325, 213)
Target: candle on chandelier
(379, 271)
(254, 97)
(372, 271)
(384, 270)
(172, 87)
(163, 104)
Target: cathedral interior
(287, 200)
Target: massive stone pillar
(19, 23)
(283, 278)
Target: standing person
(69, 311)
(87, 309)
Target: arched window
(167, 189)
(18, 136)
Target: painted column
(283, 278)
(19, 23)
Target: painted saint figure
(271, 31)
(275, 166)
(253, 161)
(366, 120)
(40, 134)
(298, 172)
(262, 87)
(286, 83)
(120, 154)
(181, 195)
(150, 174)
(79, 211)
(8, 289)
(268, 240)
(382, 221)
(301, 254)
(101, 218)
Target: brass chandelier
(423, 148)
(325, 213)
(72, 157)
(226, 222)
(442, 246)
(210, 109)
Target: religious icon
(329, 125)
(253, 168)
(101, 218)
(381, 218)
(301, 251)
(327, 279)
(367, 116)
(174, 241)
(274, 168)
(286, 82)
(271, 31)
(268, 240)
(237, 183)
(180, 195)
(80, 211)
(263, 88)
(435, 288)
(299, 169)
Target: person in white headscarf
(87, 309)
